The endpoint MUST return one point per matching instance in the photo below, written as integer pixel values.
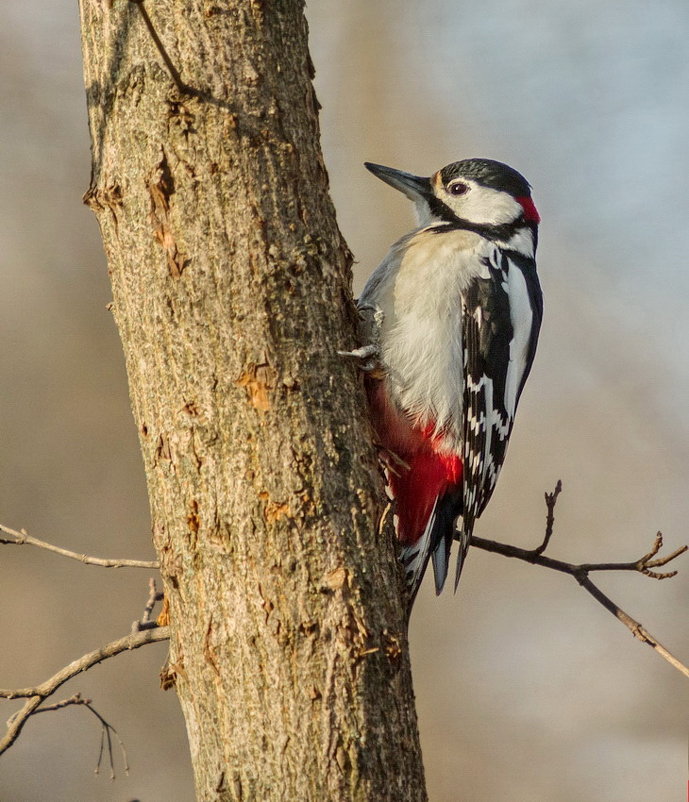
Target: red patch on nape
(430, 475)
(530, 212)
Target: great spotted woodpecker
(453, 312)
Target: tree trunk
(231, 292)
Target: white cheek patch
(485, 206)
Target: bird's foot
(372, 312)
(393, 462)
(367, 358)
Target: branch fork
(145, 632)
(644, 565)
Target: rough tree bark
(231, 292)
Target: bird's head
(480, 192)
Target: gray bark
(231, 292)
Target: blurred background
(526, 688)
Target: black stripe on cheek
(501, 233)
(441, 210)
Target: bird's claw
(371, 311)
(367, 358)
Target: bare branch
(77, 699)
(39, 693)
(106, 729)
(550, 502)
(643, 565)
(635, 627)
(153, 596)
(21, 538)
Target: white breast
(418, 287)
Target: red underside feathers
(430, 474)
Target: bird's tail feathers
(434, 544)
(415, 557)
(447, 512)
(441, 562)
(463, 537)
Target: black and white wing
(501, 318)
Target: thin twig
(643, 565)
(635, 627)
(106, 729)
(77, 699)
(153, 596)
(22, 538)
(532, 556)
(550, 502)
(39, 693)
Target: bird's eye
(458, 188)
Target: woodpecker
(453, 314)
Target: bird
(452, 317)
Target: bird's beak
(413, 186)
